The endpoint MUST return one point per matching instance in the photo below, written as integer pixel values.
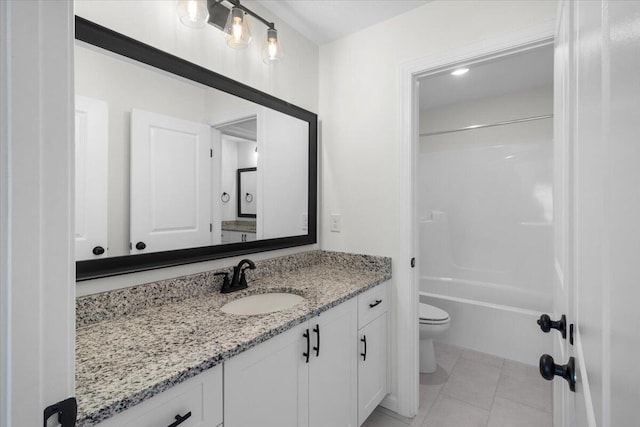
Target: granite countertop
(242, 226)
(124, 360)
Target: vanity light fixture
(459, 71)
(272, 51)
(193, 13)
(237, 29)
(233, 20)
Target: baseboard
(390, 402)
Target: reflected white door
(91, 146)
(170, 183)
(597, 210)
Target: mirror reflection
(158, 159)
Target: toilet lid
(432, 314)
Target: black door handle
(98, 250)
(179, 419)
(67, 411)
(317, 331)
(548, 370)
(306, 354)
(364, 355)
(140, 246)
(546, 324)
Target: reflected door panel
(282, 170)
(91, 145)
(170, 183)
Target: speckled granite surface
(126, 358)
(243, 226)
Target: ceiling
(513, 73)
(323, 21)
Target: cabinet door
(333, 368)
(267, 386)
(372, 366)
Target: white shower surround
(485, 225)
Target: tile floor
(473, 389)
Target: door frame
(407, 296)
(37, 274)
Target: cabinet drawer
(373, 303)
(200, 395)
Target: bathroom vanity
(165, 354)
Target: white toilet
(433, 322)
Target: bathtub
(491, 318)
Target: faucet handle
(243, 277)
(225, 281)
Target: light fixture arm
(236, 3)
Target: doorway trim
(407, 296)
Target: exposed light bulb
(459, 71)
(193, 13)
(237, 29)
(272, 50)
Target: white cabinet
(199, 399)
(268, 384)
(332, 368)
(373, 351)
(330, 371)
(237, 236)
(304, 377)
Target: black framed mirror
(247, 196)
(163, 221)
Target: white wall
(359, 108)
(154, 22)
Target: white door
(333, 367)
(267, 386)
(598, 206)
(170, 183)
(564, 405)
(91, 146)
(37, 281)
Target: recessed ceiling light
(459, 71)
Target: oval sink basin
(262, 303)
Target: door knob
(548, 370)
(140, 246)
(98, 250)
(546, 324)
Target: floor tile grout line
(524, 404)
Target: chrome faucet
(239, 279)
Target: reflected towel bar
(508, 122)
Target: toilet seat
(430, 315)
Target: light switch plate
(336, 223)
